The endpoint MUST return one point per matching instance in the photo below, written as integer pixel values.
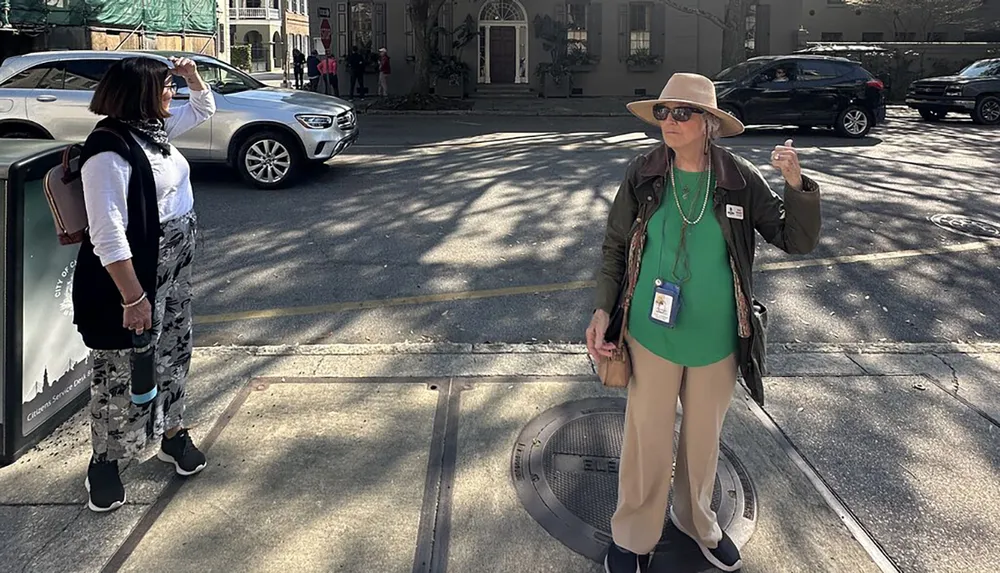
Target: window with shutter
(343, 41)
(559, 13)
(362, 26)
(594, 29)
(657, 29)
(640, 30)
(623, 36)
(447, 24)
(411, 52)
(378, 27)
(576, 27)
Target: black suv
(805, 91)
(975, 90)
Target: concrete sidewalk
(398, 458)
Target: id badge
(666, 303)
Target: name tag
(666, 303)
(734, 212)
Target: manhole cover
(967, 226)
(565, 470)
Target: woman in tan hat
(676, 286)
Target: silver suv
(269, 134)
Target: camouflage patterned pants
(118, 428)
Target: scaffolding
(177, 17)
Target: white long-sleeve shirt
(106, 176)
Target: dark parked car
(805, 91)
(974, 90)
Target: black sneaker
(181, 452)
(724, 556)
(104, 487)
(620, 560)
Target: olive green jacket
(744, 205)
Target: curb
(454, 348)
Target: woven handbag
(616, 371)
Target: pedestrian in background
(312, 70)
(384, 69)
(133, 271)
(328, 70)
(298, 63)
(356, 66)
(676, 287)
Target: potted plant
(556, 79)
(556, 76)
(451, 77)
(642, 61)
(451, 73)
(581, 62)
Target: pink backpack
(64, 192)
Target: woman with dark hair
(133, 273)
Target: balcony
(257, 14)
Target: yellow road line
(559, 287)
(848, 259)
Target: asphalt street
(488, 229)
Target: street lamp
(283, 6)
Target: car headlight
(315, 121)
(953, 91)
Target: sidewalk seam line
(870, 545)
(154, 511)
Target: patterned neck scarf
(153, 131)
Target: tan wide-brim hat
(688, 89)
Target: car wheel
(987, 111)
(932, 115)
(855, 121)
(269, 160)
(21, 132)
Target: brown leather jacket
(792, 224)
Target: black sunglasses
(681, 114)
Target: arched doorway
(277, 50)
(503, 43)
(258, 53)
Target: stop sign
(325, 34)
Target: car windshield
(982, 68)
(223, 79)
(739, 71)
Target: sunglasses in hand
(680, 114)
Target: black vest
(97, 303)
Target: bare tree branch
(922, 17)
(696, 12)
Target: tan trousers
(648, 453)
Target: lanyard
(682, 255)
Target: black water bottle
(144, 388)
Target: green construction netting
(160, 16)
